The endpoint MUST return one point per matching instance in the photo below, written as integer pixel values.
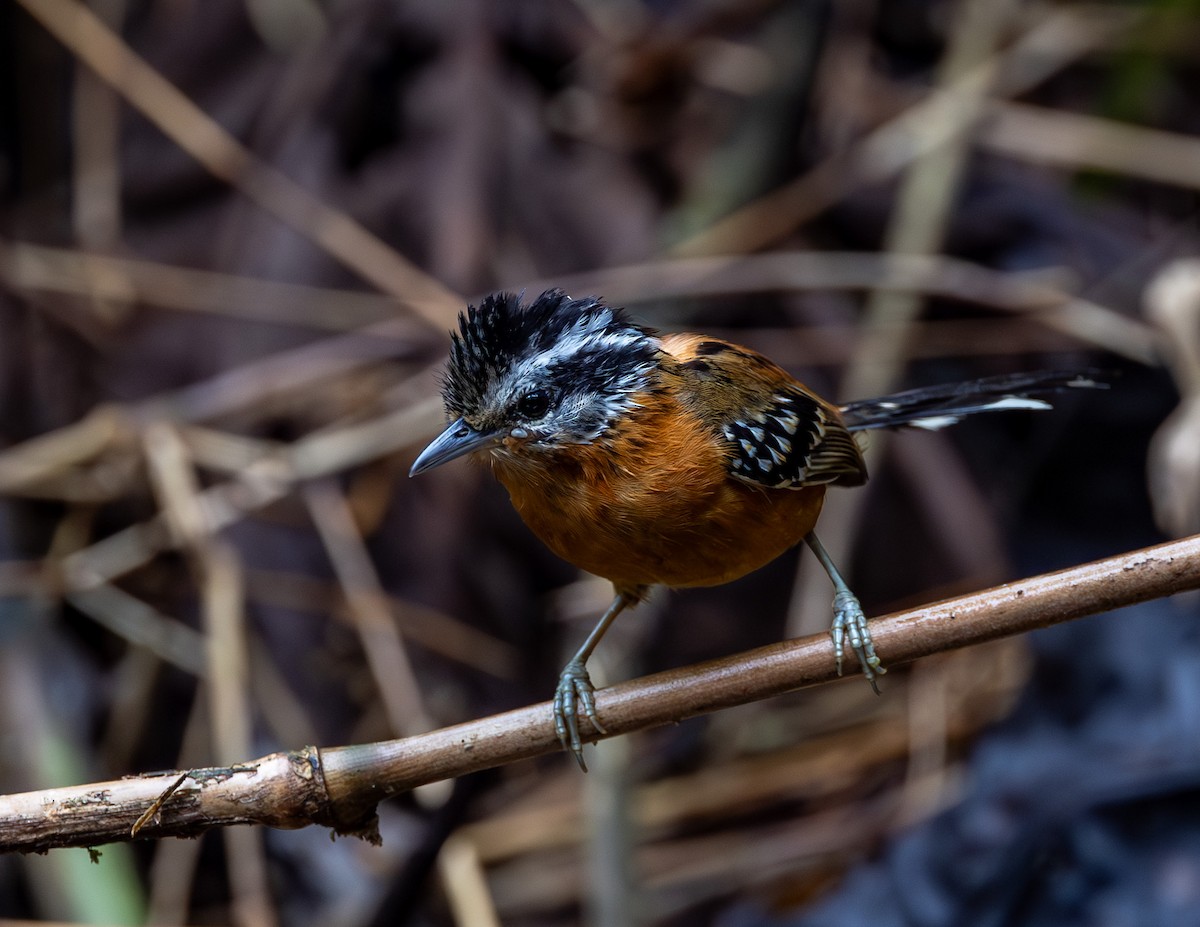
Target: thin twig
(465, 884)
(260, 484)
(1062, 38)
(923, 206)
(286, 372)
(206, 140)
(103, 277)
(1034, 295)
(140, 623)
(1078, 140)
(341, 786)
(220, 577)
(384, 647)
(429, 627)
(156, 806)
(925, 197)
(58, 270)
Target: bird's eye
(533, 405)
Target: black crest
(496, 337)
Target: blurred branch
(434, 630)
(1077, 141)
(1035, 295)
(96, 159)
(465, 884)
(339, 787)
(1173, 304)
(925, 197)
(106, 278)
(141, 624)
(219, 574)
(257, 485)
(39, 458)
(387, 655)
(37, 268)
(24, 466)
(1060, 39)
(95, 44)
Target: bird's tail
(934, 407)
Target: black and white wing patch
(793, 442)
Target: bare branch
(1074, 140)
(1060, 39)
(206, 140)
(104, 277)
(1036, 295)
(387, 655)
(339, 787)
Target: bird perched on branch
(668, 459)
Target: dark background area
(223, 309)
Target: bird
(669, 459)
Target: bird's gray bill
(458, 439)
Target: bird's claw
(575, 691)
(850, 625)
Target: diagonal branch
(91, 40)
(339, 787)
(1057, 41)
(1060, 39)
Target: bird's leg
(849, 622)
(575, 688)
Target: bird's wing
(777, 433)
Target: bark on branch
(340, 787)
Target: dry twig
(340, 787)
(206, 140)
(1060, 40)
(1035, 295)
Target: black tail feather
(934, 407)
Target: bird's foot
(575, 691)
(850, 626)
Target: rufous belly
(642, 535)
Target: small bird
(669, 459)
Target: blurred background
(233, 235)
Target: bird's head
(523, 381)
